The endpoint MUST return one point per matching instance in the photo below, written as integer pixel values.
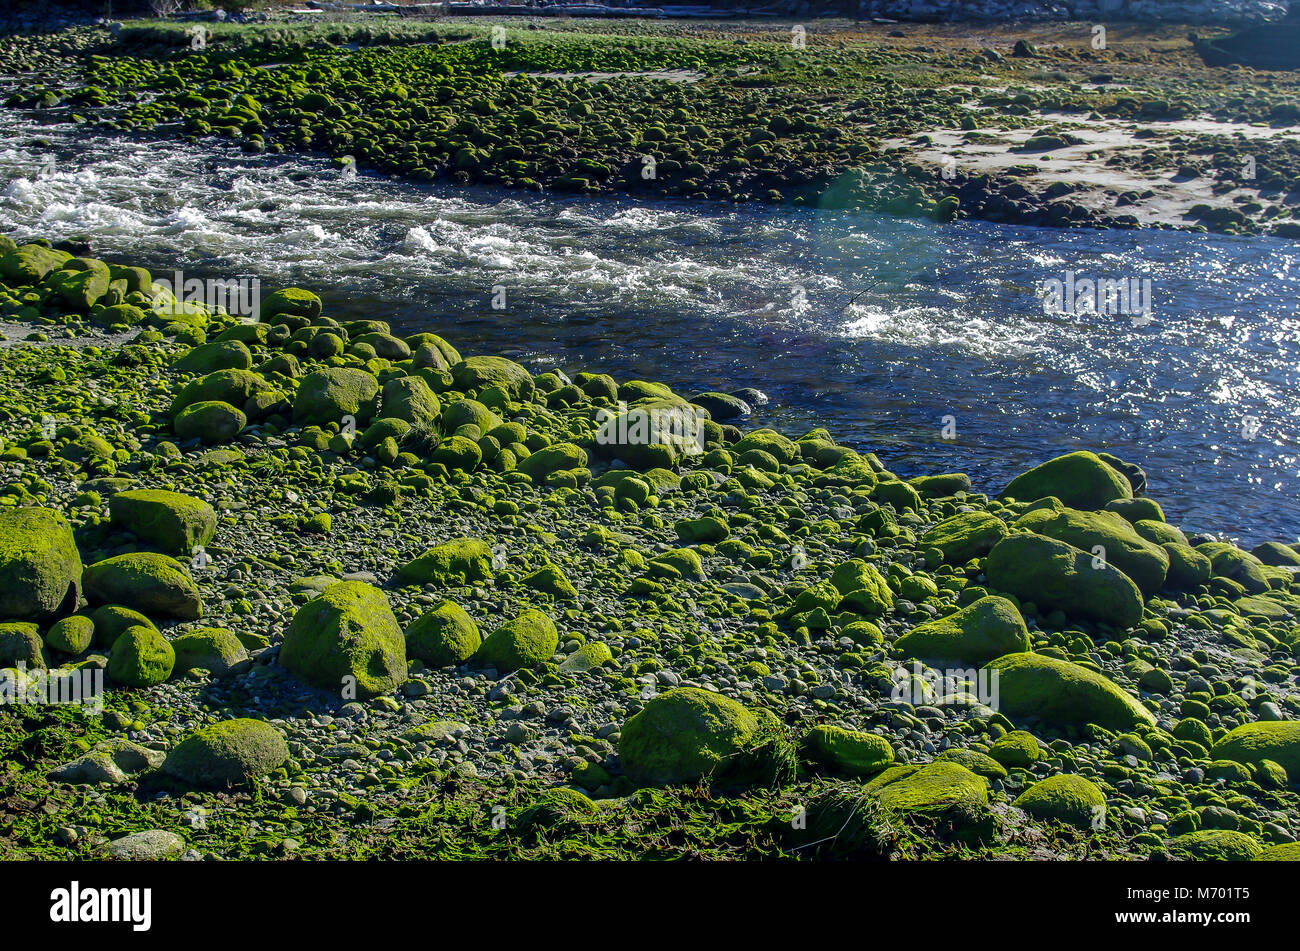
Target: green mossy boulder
(214, 356)
(229, 753)
(209, 648)
(409, 398)
(1144, 562)
(348, 640)
(965, 536)
(1080, 480)
(170, 521)
(294, 301)
(528, 640)
(151, 583)
(141, 657)
(40, 567)
(20, 643)
(1252, 743)
(479, 373)
(1057, 576)
(443, 637)
(1071, 799)
(112, 619)
(558, 458)
(1016, 750)
(457, 562)
(1033, 685)
(551, 580)
(1215, 845)
(71, 635)
(210, 422)
(688, 734)
(848, 751)
(944, 795)
(865, 590)
(235, 387)
(981, 631)
(327, 396)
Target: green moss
(229, 753)
(112, 619)
(71, 635)
(40, 567)
(209, 648)
(1215, 845)
(443, 637)
(528, 640)
(848, 751)
(477, 373)
(1142, 561)
(980, 632)
(20, 642)
(1057, 576)
(151, 583)
(1080, 480)
(1252, 743)
(327, 396)
(1062, 692)
(1067, 798)
(965, 536)
(294, 301)
(456, 562)
(170, 521)
(551, 580)
(347, 639)
(210, 421)
(141, 657)
(217, 355)
(1016, 750)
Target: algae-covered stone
(1108, 535)
(152, 583)
(551, 580)
(112, 619)
(1215, 845)
(456, 562)
(1066, 798)
(770, 441)
(528, 640)
(20, 643)
(965, 536)
(1188, 568)
(1016, 750)
(209, 648)
(849, 751)
(557, 458)
(235, 387)
(141, 657)
(30, 263)
(589, 656)
(707, 528)
(979, 763)
(40, 568)
(1062, 692)
(477, 373)
(71, 635)
(1283, 852)
(557, 807)
(347, 638)
(689, 734)
(170, 521)
(229, 753)
(294, 301)
(979, 632)
(942, 792)
(409, 398)
(327, 396)
(865, 590)
(1080, 480)
(1252, 743)
(210, 422)
(443, 637)
(1057, 576)
(214, 356)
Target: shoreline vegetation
(1029, 123)
(362, 596)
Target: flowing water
(929, 345)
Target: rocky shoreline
(355, 595)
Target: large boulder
(1033, 685)
(1067, 798)
(478, 373)
(347, 638)
(170, 521)
(20, 643)
(443, 637)
(141, 657)
(1145, 563)
(1251, 743)
(234, 386)
(40, 568)
(1081, 480)
(151, 583)
(456, 562)
(1057, 576)
(409, 398)
(210, 422)
(863, 588)
(293, 301)
(229, 753)
(848, 751)
(30, 263)
(214, 356)
(965, 535)
(528, 640)
(326, 396)
(981, 631)
(689, 734)
(209, 648)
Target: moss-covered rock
(1057, 576)
(1120, 545)
(210, 422)
(1080, 480)
(214, 356)
(443, 636)
(979, 632)
(212, 649)
(1016, 750)
(688, 734)
(479, 373)
(235, 387)
(112, 619)
(229, 753)
(557, 458)
(965, 535)
(848, 751)
(944, 795)
(1252, 743)
(528, 640)
(1215, 845)
(1188, 568)
(865, 590)
(170, 521)
(589, 656)
(347, 639)
(1066, 798)
(71, 635)
(151, 583)
(409, 398)
(557, 807)
(551, 580)
(1059, 691)
(20, 643)
(456, 562)
(40, 567)
(293, 301)
(141, 657)
(327, 396)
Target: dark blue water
(876, 328)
